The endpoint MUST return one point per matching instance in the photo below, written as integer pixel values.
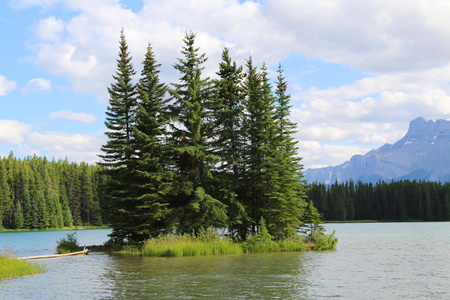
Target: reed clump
(207, 242)
(10, 266)
(210, 242)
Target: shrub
(261, 242)
(68, 244)
(324, 241)
(292, 244)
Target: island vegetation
(68, 244)
(188, 159)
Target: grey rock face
(422, 154)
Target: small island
(189, 160)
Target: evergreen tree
(26, 180)
(229, 142)
(18, 216)
(66, 212)
(311, 221)
(5, 196)
(117, 151)
(260, 129)
(87, 194)
(152, 181)
(287, 196)
(192, 99)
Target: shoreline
(56, 229)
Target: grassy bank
(12, 267)
(211, 243)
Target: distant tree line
(200, 152)
(397, 200)
(38, 194)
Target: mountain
(422, 154)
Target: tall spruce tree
(120, 120)
(152, 181)
(192, 99)
(287, 192)
(259, 126)
(229, 142)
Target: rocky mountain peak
(422, 154)
(427, 130)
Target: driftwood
(84, 252)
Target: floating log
(84, 252)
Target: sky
(358, 71)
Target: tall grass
(12, 267)
(263, 242)
(207, 242)
(210, 242)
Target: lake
(371, 261)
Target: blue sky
(358, 72)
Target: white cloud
(49, 29)
(38, 85)
(76, 147)
(67, 114)
(6, 86)
(29, 3)
(59, 141)
(404, 47)
(13, 132)
(316, 155)
(376, 38)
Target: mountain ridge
(422, 154)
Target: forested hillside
(397, 200)
(36, 193)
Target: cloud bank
(402, 48)
(67, 114)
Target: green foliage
(287, 192)
(152, 178)
(118, 150)
(229, 144)
(402, 200)
(192, 98)
(292, 244)
(68, 244)
(18, 217)
(12, 267)
(208, 242)
(260, 242)
(215, 154)
(312, 223)
(46, 194)
(324, 241)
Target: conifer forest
(402, 200)
(38, 194)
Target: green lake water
(372, 261)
